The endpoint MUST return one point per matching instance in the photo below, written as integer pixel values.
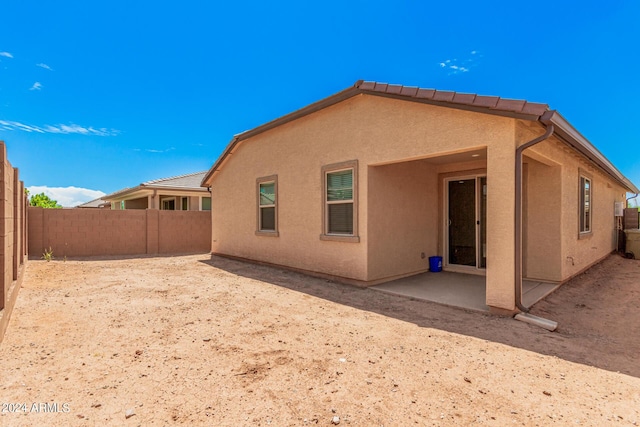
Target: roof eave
(575, 139)
(173, 188)
(311, 108)
(455, 105)
(539, 113)
(121, 193)
(371, 88)
(206, 181)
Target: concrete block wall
(95, 232)
(13, 237)
(184, 231)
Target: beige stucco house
(182, 192)
(366, 185)
(95, 204)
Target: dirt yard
(195, 340)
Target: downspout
(518, 215)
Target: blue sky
(98, 96)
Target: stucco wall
(500, 221)
(580, 252)
(194, 203)
(141, 203)
(574, 253)
(542, 230)
(403, 218)
(373, 130)
(396, 220)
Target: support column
(500, 227)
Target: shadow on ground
(592, 310)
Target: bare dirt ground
(196, 340)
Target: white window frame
(333, 168)
(271, 179)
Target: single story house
(365, 185)
(95, 204)
(177, 193)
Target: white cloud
(6, 54)
(68, 197)
(153, 150)
(455, 66)
(58, 129)
(73, 128)
(45, 66)
(36, 86)
(6, 125)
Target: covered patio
(459, 289)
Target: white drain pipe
(525, 316)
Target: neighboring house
(182, 192)
(95, 204)
(365, 185)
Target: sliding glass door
(466, 221)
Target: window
(267, 206)
(340, 202)
(169, 204)
(586, 192)
(185, 203)
(206, 203)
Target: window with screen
(586, 200)
(267, 221)
(340, 201)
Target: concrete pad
(454, 289)
(458, 289)
(533, 291)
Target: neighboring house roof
(519, 109)
(191, 180)
(95, 203)
(188, 182)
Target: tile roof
(515, 108)
(95, 203)
(189, 181)
(456, 99)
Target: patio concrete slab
(534, 291)
(458, 289)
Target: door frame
(445, 224)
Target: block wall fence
(13, 237)
(96, 232)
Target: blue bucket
(435, 264)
